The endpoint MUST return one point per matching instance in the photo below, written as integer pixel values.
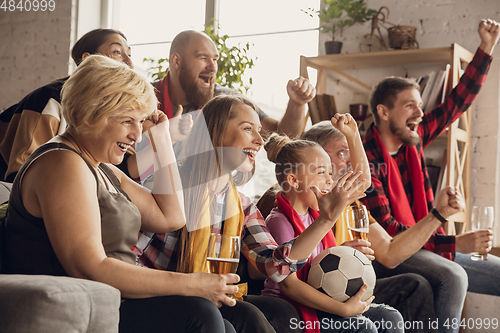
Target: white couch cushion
(40, 303)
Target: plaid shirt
(257, 245)
(432, 125)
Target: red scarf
(401, 209)
(308, 314)
(161, 92)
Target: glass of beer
(223, 254)
(481, 219)
(358, 221)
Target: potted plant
(337, 15)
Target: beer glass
(223, 254)
(358, 221)
(481, 219)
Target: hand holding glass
(223, 254)
(482, 219)
(358, 221)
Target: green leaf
(341, 14)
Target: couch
(40, 303)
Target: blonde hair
(204, 163)
(101, 88)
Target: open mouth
(326, 188)
(123, 146)
(413, 125)
(251, 153)
(207, 78)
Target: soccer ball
(340, 271)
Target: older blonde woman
(73, 213)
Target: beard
(408, 139)
(195, 94)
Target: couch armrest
(5, 189)
(40, 303)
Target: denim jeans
(484, 276)
(411, 294)
(262, 314)
(447, 278)
(247, 317)
(173, 314)
(379, 318)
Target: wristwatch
(438, 215)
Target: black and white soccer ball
(340, 271)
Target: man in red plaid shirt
(401, 194)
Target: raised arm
(179, 127)
(163, 209)
(467, 89)
(300, 91)
(489, 31)
(346, 124)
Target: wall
(34, 49)
(35, 46)
(485, 142)
(439, 23)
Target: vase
(333, 47)
(358, 111)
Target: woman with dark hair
(37, 117)
(109, 42)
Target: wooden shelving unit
(458, 134)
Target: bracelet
(438, 215)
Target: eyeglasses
(343, 154)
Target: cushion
(4, 197)
(4, 191)
(40, 303)
(3, 213)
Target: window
(278, 29)
(280, 32)
(151, 25)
